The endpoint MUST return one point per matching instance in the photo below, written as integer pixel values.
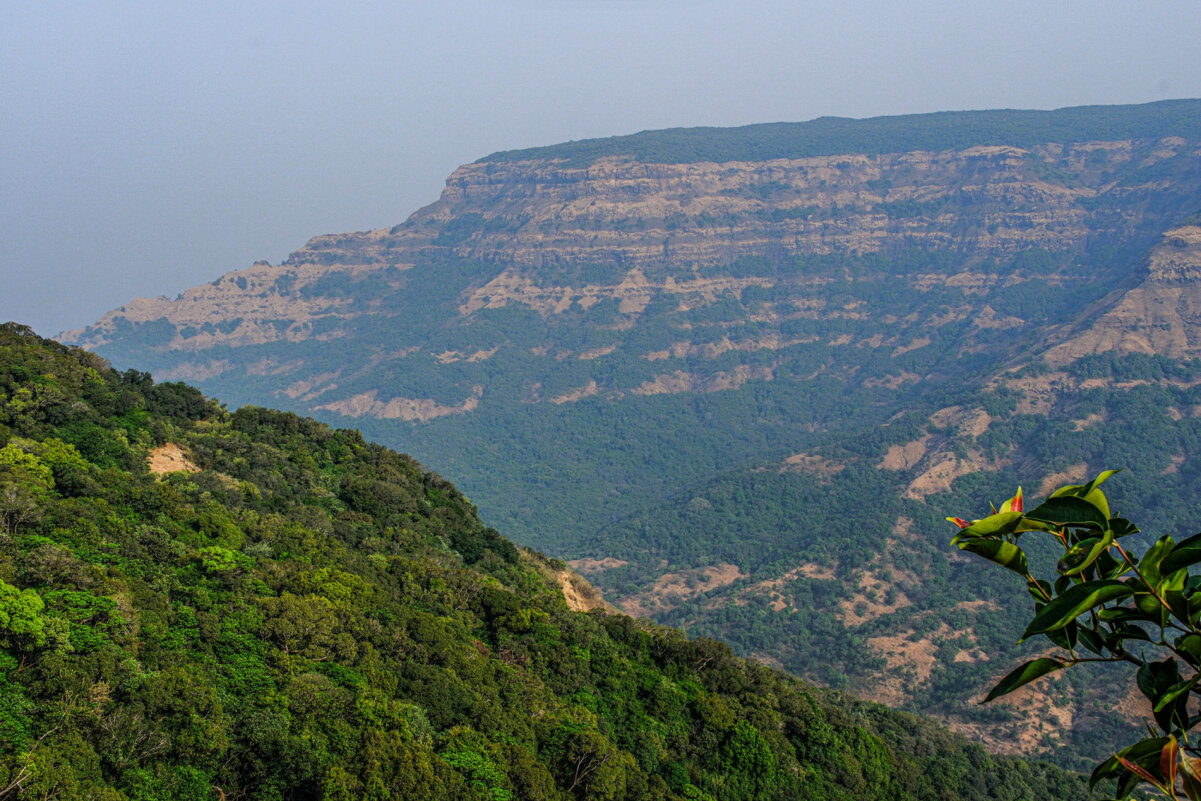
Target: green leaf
(1101, 478)
(1110, 567)
(1039, 590)
(1191, 645)
(1174, 692)
(1070, 511)
(1178, 603)
(1187, 552)
(1120, 613)
(1150, 608)
(1076, 555)
(1065, 637)
(991, 526)
(1005, 554)
(1125, 632)
(1156, 681)
(1093, 495)
(1075, 601)
(1144, 752)
(1121, 527)
(1034, 669)
(1098, 499)
(1190, 777)
(1082, 556)
(1091, 640)
(1150, 564)
(1084, 490)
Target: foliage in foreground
(1108, 604)
(304, 615)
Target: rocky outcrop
(1161, 315)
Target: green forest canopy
(300, 614)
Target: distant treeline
(828, 136)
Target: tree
(1108, 604)
(24, 628)
(25, 482)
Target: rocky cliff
(954, 229)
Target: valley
(739, 377)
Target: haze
(148, 147)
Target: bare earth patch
(893, 381)
(596, 353)
(920, 342)
(579, 594)
(170, 458)
(903, 529)
(972, 422)
(198, 371)
(905, 457)
(309, 388)
(681, 382)
(577, 394)
(1174, 467)
(1040, 392)
(902, 655)
(943, 471)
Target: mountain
(198, 604)
(740, 376)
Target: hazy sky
(146, 147)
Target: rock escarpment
(556, 238)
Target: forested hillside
(739, 376)
(198, 604)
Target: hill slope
(688, 374)
(196, 604)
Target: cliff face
(554, 238)
(1161, 315)
(745, 392)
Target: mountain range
(740, 376)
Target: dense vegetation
(837, 135)
(304, 615)
(787, 517)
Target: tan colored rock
(1162, 315)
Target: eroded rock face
(248, 307)
(561, 239)
(1177, 258)
(1161, 315)
(638, 214)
